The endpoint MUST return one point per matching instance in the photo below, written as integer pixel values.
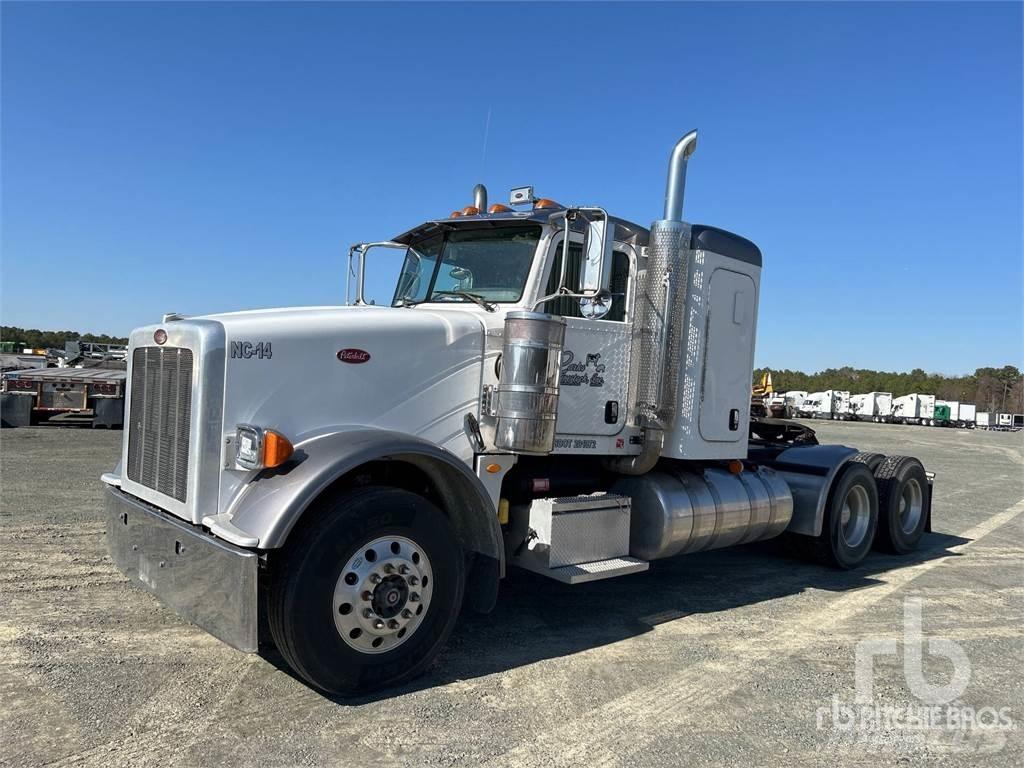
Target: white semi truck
(830, 404)
(914, 409)
(552, 388)
(872, 406)
(785, 404)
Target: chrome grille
(160, 419)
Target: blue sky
(200, 158)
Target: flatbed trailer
(86, 396)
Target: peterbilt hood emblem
(351, 355)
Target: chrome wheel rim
(911, 505)
(855, 516)
(382, 594)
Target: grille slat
(161, 417)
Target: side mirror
(596, 307)
(597, 265)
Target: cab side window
(570, 307)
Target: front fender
(273, 502)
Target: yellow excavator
(758, 393)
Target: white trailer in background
(1009, 421)
(968, 413)
(872, 406)
(914, 409)
(841, 405)
(830, 404)
(985, 420)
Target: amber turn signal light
(277, 449)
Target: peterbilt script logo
(353, 355)
(247, 350)
(576, 373)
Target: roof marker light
(545, 202)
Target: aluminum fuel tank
(681, 511)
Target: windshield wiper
(474, 297)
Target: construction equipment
(759, 394)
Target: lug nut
(413, 581)
(389, 568)
(367, 612)
(392, 624)
(367, 595)
(374, 578)
(414, 597)
(406, 614)
(378, 624)
(403, 569)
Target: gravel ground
(723, 658)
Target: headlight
(259, 448)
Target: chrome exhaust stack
(676, 185)
(660, 317)
(480, 198)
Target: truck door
(725, 395)
(595, 359)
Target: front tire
(367, 592)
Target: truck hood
(304, 369)
(308, 371)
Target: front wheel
(367, 592)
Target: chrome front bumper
(207, 581)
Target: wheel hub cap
(382, 594)
(911, 505)
(390, 596)
(855, 516)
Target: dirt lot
(729, 657)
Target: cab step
(597, 570)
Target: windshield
(489, 264)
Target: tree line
(991, 389)
(37, 339)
